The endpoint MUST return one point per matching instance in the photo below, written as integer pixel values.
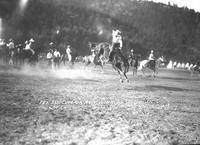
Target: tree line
(169, 30)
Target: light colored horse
(152, 66)
(93, 59)
(99, 56)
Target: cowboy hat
(31, 40)
(51, 43)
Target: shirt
(56, 54)
(49, 55)
(68, 51)
(151, 56)
(28, 46)
(11, 45)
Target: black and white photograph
(99, 72)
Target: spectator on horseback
(151, 58)
(131, 57)
(132, 54)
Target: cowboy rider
(117, 38)
(116, 43)
(28, 45)
(132, 57)
(151, 57)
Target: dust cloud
(75, 72)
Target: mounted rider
(151, 58)
(117, 38)
(28, 46)
(133, 57)
(116, 43)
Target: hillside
(169, 30)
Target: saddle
(113, 52)
(151, 63)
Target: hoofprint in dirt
(68, 107)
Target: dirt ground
(83, 107)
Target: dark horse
(28, 56)
(134, 62)
(120, 63)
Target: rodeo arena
(109, 96)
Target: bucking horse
(29, 54)
(119, 63)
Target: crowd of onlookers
(11, 53)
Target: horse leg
(120, 76)
(124, 73)
(136, 70)
(154, 72)
(119, 70)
